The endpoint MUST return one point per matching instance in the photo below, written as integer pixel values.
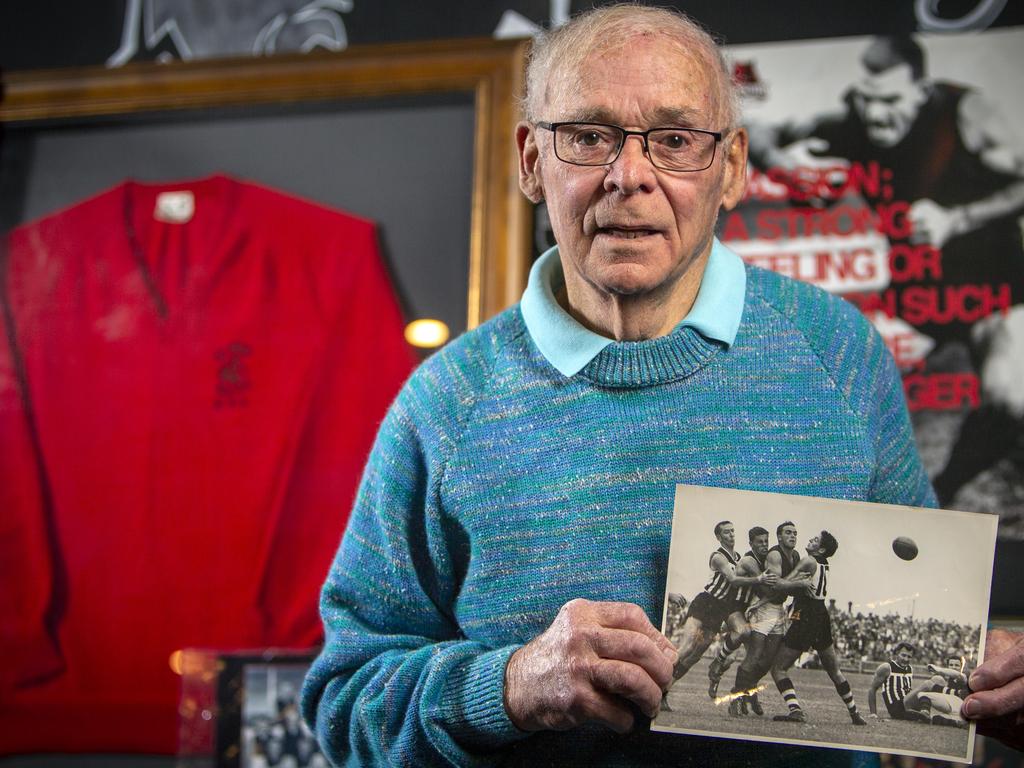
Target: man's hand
(997, 703)
(802, 585)
(591, 664)
(931, 223)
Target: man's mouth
(626, 233)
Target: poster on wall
(891, 172)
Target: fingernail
(977, 681)
(671, 654)
(970, 708)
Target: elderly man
(492, 598)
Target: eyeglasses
(670, 149)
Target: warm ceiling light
(426, 333)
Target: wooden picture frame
(490, 70)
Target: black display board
(50, 33)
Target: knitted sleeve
(900, 477)
(397, 683)
(864, 373)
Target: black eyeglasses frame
(626, 133)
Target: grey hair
(606, 28)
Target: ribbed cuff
(474, 702)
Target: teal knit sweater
(499, 489)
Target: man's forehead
(895, 80)
(670, 83)
(667, 116)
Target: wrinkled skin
(997, 704)
(596, 662)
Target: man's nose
(874, 112)
(632, 170)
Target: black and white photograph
(273, 734)
(819, 621)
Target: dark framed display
(161, 120)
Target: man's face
(904, 656)
(888, 104)
(814, 545)
(630, 228)
(727, 535)
(787, 537)
(759, 545)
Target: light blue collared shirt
(568, 346)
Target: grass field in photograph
(827, 719)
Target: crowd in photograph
(870, 637)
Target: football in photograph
(904, 547)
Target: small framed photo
(826, 623)
(259, 724)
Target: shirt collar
(569, 347)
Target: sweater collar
(570, 347)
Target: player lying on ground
(936, 700)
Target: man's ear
(734, 182)
(529, 162)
